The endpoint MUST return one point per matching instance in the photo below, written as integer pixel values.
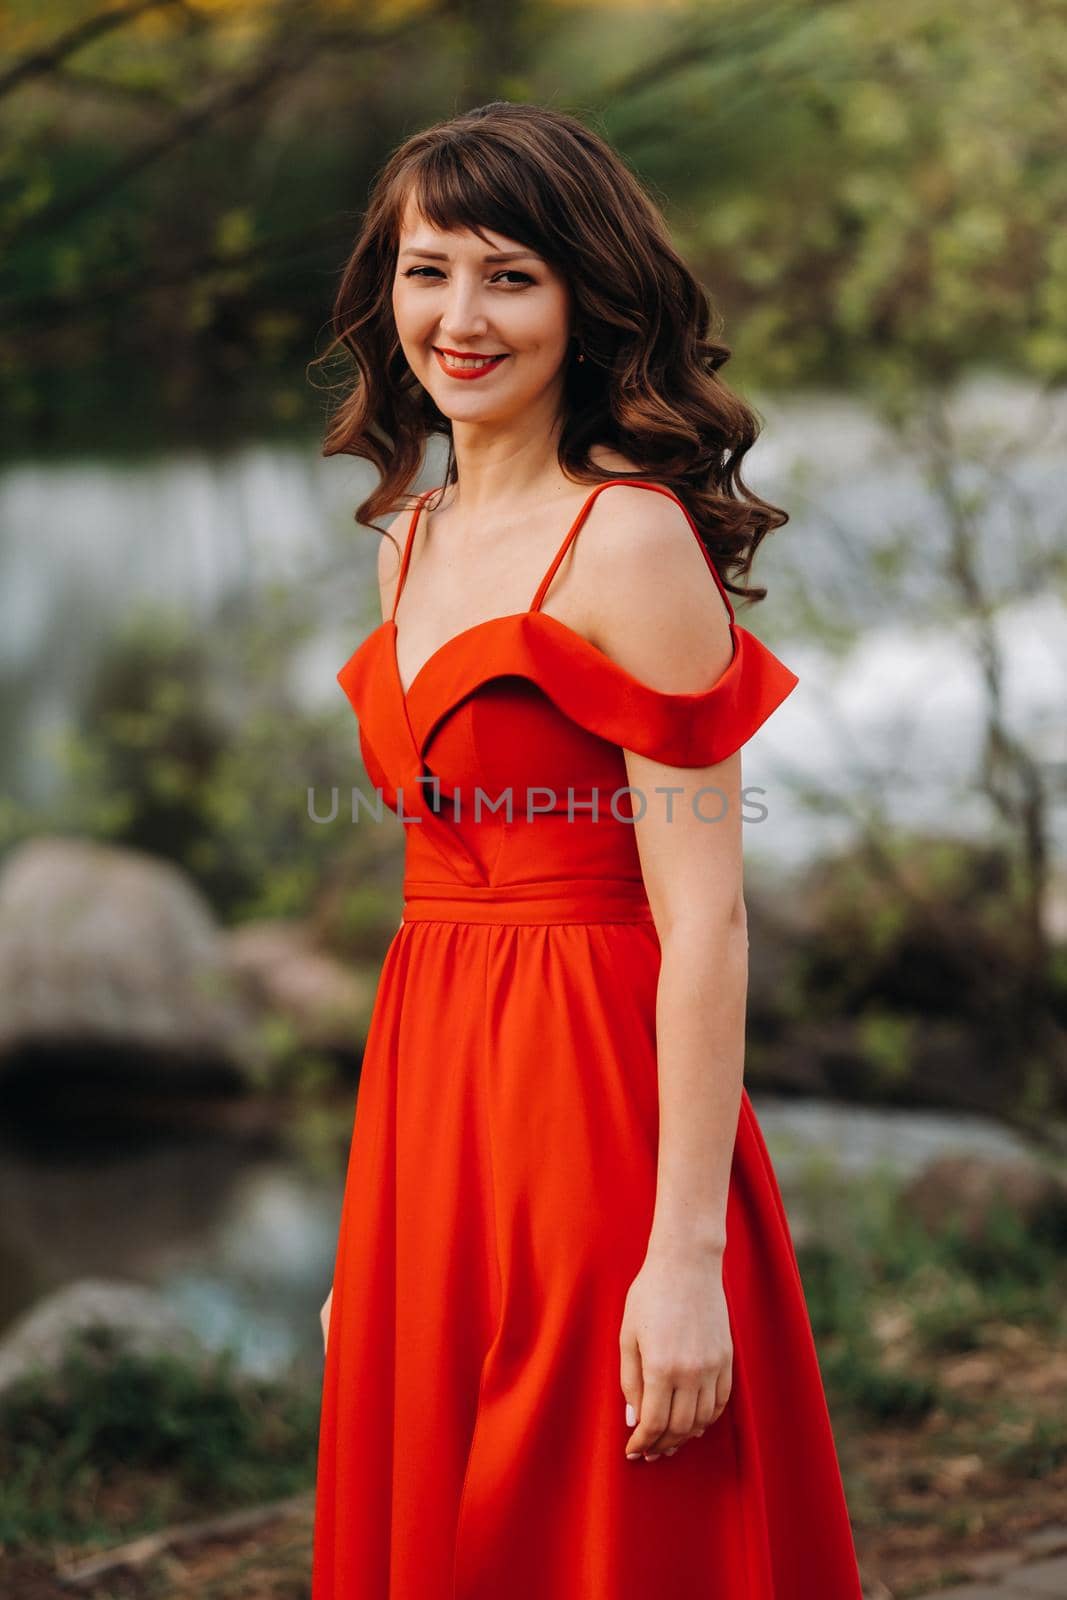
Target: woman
(562, 1253)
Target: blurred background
(876, 199)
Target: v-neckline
(475, 627)
(533, 609)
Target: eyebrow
(504, 255)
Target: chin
(476, 414)
(468, 402)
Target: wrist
(687, 1236)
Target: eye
(507, 272)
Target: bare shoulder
(645, 531)
(652, 602)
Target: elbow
(721, 932)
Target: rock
(108, 949)
(138, 1319)
(282, 971)
(972, 1187)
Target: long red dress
(501, 1180)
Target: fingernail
(652, 1458)
(634, 1455)
(670, 1452)
(631, 1417)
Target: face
(453, 297)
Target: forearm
(700, 1032)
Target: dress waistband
(572, 900)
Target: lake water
(242, 1244)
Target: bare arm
(693, 877)
(659, 613)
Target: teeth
(483, 361)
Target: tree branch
(41, 62)
(288, 56)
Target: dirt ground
(927, 1499)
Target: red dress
(501, 1180)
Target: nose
(462, 316)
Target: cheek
(543, 326)
(408, 315)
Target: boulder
(105, 949)
(970, 1188)
(136, 1319)
(283, 972)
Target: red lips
(469, 372)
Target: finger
(655, 1410)
(680, 1421)
(679, 1405)
(706, 1409)
(630, 1380)
(723, 1387)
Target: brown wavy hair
(649, 386)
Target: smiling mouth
(457, 363)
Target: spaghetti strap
(406, 558)
(635, 483)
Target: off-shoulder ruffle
(692, 729)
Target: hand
(676, 1350)
(324, 1318)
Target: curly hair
(649, 386)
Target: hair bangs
(462, 183)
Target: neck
(504, 463)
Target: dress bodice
(525, 712)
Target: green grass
(113, 1444)
(1040, 1452)
(869, 1264)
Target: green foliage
(914, 956)
(1039, 1453)
(839, 1267)
(189, 747)
(114, 1444)
(868, 1257)
(1006, 1251)
(948, 1320)
(879, 1393)
(873, 188)
(887, 1042)
(873, 195)
(919, 935)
